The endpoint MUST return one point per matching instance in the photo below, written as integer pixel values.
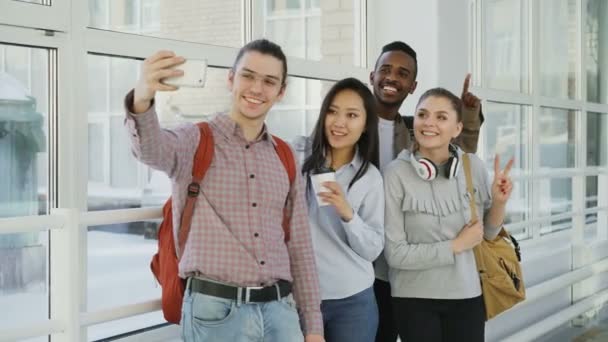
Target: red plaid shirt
(236, 235)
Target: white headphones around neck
(427, 170)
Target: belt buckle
(248, 292)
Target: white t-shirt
(386, 129)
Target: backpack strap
(466, 164)
(289, 162)
(202, 160)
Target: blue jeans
(207, 318)
(352, 319)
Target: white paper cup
(317, 180)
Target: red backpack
(165, 263)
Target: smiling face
(345, 120)
(394, 78)
(256, 84)
(436, 123)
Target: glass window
(505, 45)
(318, 30)
(596, 33)
(113, 171)
(591, 200)
(505, 134)
(96, 152)
(558, 48)
(216, 22)
(555, 199)
(518, 209)
(98, 85)
(23, 184)
(597, 139)
(118, 273)
(298, 112)
(556, 137)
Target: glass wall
(558, 32)
(24, 87)
(505, 39)
(326, 31)
(596, 32)
(530, 57)
(216, 22)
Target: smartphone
(195, 74)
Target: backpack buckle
(193, 189)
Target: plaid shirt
(236, 235)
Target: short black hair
(265, 47)
(399, 46)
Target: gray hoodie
(421, 220)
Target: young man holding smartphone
(236, 241)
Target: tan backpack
(498, 263)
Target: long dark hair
(367, 143)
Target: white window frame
(536, 102)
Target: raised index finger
(465, 85)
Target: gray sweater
(421, 220)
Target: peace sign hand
(502, 185)
(469, 100)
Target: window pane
(505, 45)
(321, 30)
(23, 130)
(96, 152)
(298, 112)
(518, 209)
(555, 199)
(118, 273)
(123, 166)
(217, 22)
(558, 50)
(98, 86)
(505, 134)
(557, 137)
(23, 279)
(596, 30)
(592, 200)
(108, 141)
(597, 139)
(23, 184)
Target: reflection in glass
(216, 22)
(505, 45)
(596, 33)
(597, 139)
(557, 137)
(558, 49)
(316, 30)
(555, 199)
(23, 184)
